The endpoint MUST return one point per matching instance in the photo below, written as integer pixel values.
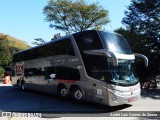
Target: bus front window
(124, 73)
(115, 43)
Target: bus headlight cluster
(118, 92)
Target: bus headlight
(118, 93)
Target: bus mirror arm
(104, 52)
(114, 59)
(143, 57)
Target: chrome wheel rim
(63, 92)
(78, 95)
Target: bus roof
(61, 38)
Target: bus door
(98, 84)
(99, 91)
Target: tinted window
(50, 72)
(67, 73)
(96, 67)
(115, 43)
(60, 47)
(34, 72)
(88, 40)
(64, 73)
(73, 74)
(57, 48)
(61, 73)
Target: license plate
(131, 99)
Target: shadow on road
(14, 100)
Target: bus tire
(23, 85)
(62, 91)
(77, 94)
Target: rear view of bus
(110, 66)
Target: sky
(24, 19)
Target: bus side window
(73, 74)
(96, 67)
(61, 73)
(50, 72)
(66, 73)
(28, 72)
(34, 72)
(70, 50)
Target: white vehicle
(92, 65)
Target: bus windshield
(124, 73)
(115, 43)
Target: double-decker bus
(91, 65)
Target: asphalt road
(14, 100)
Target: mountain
(14, 42)
(8, 46)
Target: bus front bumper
(115, 98)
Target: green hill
(13, 42)
(8, 46)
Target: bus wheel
(62, 91)
(23, 85)
(77, 94)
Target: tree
(56, 36)
(8, 46)
(1, 71)
(74, 16)
(38, 41)
(134, 40)
(142, 19)
(5, 54)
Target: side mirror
(104, 52)
(143, 57)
